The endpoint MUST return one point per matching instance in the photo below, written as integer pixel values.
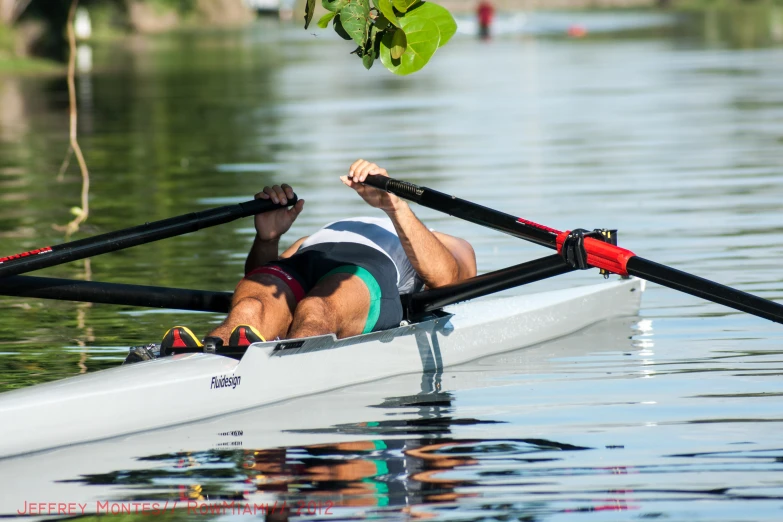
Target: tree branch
(84, 211)
(18, 9)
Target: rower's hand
(377, 198)
(271, 225)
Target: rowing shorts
(303, 270)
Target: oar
(129, 237)
(599, 254)
(116, 293)
(485, 284)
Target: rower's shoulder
(293, 248)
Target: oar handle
(467, 210)
(398, 187)
(134, 236)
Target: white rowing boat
(189, 387)
(401, 406)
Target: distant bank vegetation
(34, 29)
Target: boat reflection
(378, 477)
(372, 473)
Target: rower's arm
(271, 225)
(263, 252)
(439, 259)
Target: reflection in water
(436, 477)
(13, 117)
(405, 475)
(745, 27)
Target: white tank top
(377, 233)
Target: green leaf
(386, 8)
(368, 60)
(398, 44)
(309, 9)
(403, 5)
(355, 19)
(323, 22)
(438, 14)
(380, 22)
(371, 48)
(371, 44)
(338, 28)
(334, 5)
(423, 37)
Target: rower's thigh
(339, 303)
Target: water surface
(671, 131)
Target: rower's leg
(262, 301)
(338, 304)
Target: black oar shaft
(129, 237)
(704, 288)
(467, 210)
(115, 293)
(489, 283)
(603, 255)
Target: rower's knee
(313, 316)
(248, 307)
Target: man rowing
(345, 278)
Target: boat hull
(184, 388)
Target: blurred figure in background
(485, 13)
